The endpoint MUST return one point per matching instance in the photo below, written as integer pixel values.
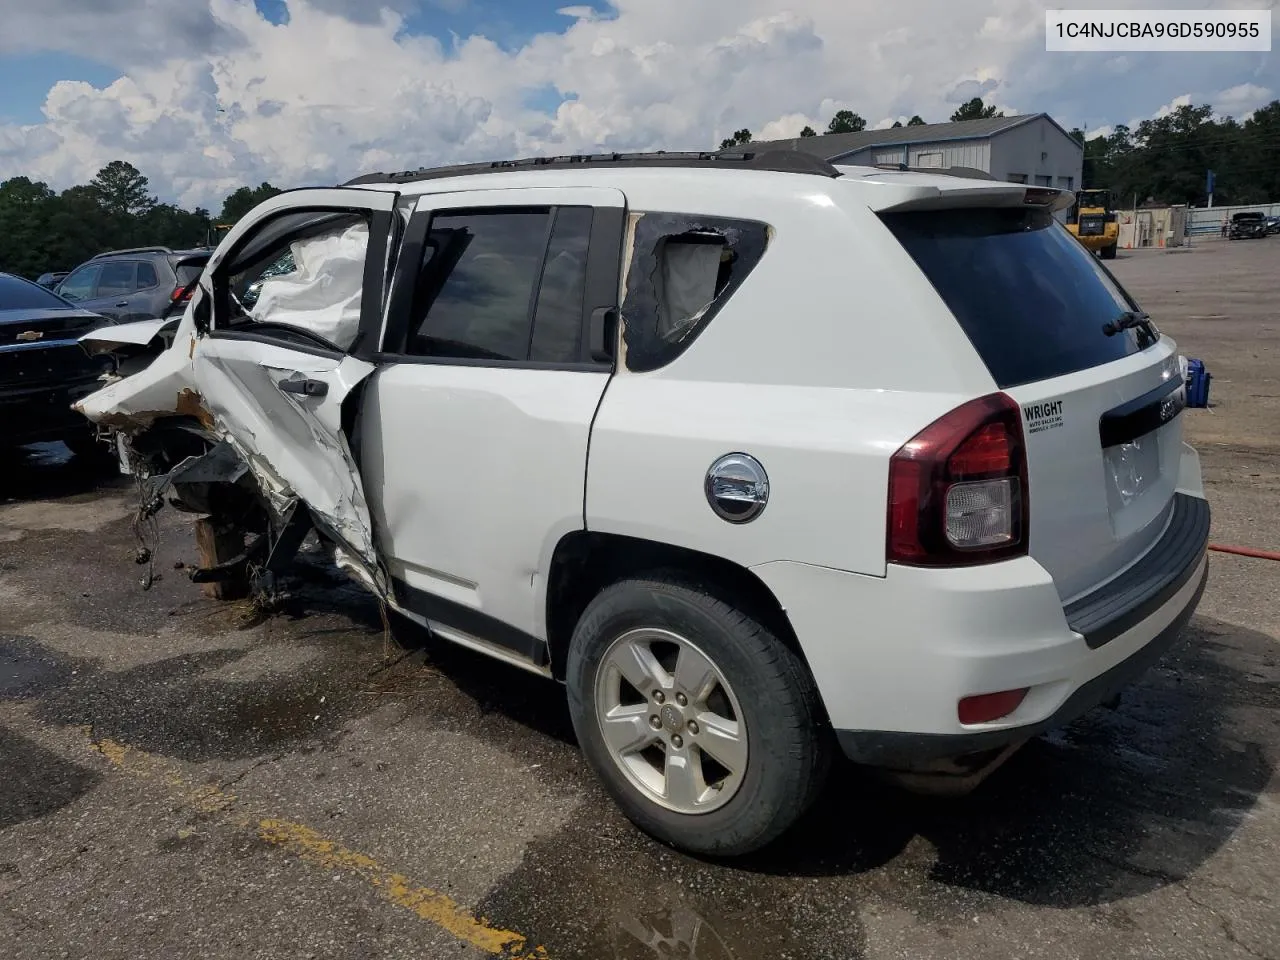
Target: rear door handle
(123, 303)
(308, 388)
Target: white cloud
(1241, 100)
(213, 96)
(579, 13)
(786, 127)
(1180, 101)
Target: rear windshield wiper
(1128, 320)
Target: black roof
(773, 160)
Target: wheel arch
(585, 562)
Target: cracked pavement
(178, 781)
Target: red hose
(1245, 551)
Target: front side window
(80, 285)
(502, 284)
(683, 270)
(303, 271)
(557, 322)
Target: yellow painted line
(308, 845)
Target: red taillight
(180, 293)
(990, 706)
(986, 452)
(958, 489)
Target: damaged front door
(297, 292)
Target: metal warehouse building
(1029, 148)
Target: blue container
(1197, 384)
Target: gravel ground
(179, 781)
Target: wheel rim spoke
(722, 739)
(626, 729)
(695, 674)
(683, 775)
(636, 662)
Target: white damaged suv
(762, 457)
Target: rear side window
(682, 271)
(147, 276)
(1031, 299)
(503, 284)
(117, 279)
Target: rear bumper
(906, 750)
(893, 656)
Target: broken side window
(304, 271)
(683, 269)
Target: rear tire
(701, 780)
(1109, 253)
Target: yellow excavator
(1093, 222)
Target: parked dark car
(1248, 225)
(138, 284)
(1273, 225)
(51, 280)
(43, 367)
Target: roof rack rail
(972, 173)
(781, 161)
(114, 253)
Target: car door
(474, 430)
(283, 351)
(114, 294)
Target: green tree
(846, 121)
(245, 199)
(896, 124)
(915, 121)
(975, 109)
(26, 242)
(808, 131)
(122, 189)
(171, 226)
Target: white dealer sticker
(1043, 416)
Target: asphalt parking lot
(180, 780)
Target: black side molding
(1141, 415)
(1130, 598)
(470, 621)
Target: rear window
(18, 294)
(188, 270)
(1030, 297)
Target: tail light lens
(958, 488)
(182, 294)
(990, 706)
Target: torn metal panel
(134, 403)
(293, 442)
(140, 334)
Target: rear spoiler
(997, 194)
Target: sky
(204, 96)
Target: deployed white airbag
(322, 294)
(689, 274)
